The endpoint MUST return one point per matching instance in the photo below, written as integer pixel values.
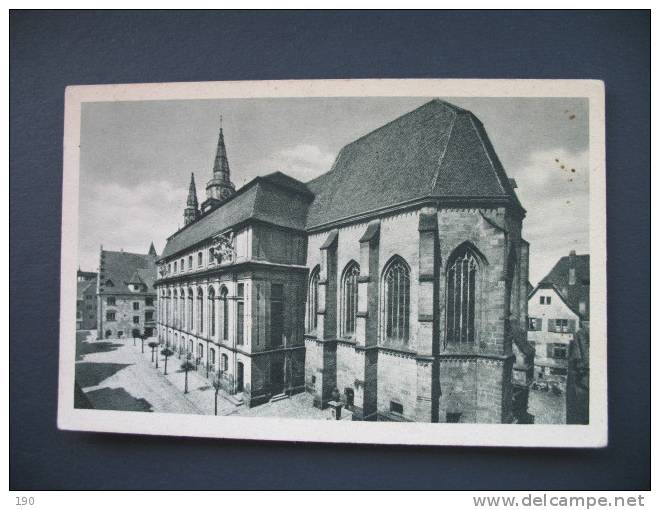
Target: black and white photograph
(399, 268)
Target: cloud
(557, 203)
(128, 217)
(303, 162)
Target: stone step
(237, 399)
(279, 396)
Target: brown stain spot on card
(573, 170)
(563, 167)
(572, 116)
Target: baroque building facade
(395, 282)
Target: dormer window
(136, 287)
(109, 283)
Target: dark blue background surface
(51, 50)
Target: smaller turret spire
(192, 192)
(152, 250)
(191, 212)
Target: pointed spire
(220, 187)
(192, 192)
(221, 163)
(152, 250)
(191, 212)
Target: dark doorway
(239, 377)
(136, 333)
(276, 377)
(350, 397)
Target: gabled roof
(579, 291)
(275, 198)
(122, 268)
(435, 151)
(558, 293)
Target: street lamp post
(216, 385)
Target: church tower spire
(191, 212)
(220, 187)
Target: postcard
(414, 262)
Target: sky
(137, 157)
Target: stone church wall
(426, 378)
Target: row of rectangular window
(112, 316)
(554, 350)
(554, 325)
(200, 263)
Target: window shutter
(571, 325)
(551, 326)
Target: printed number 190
(23, 501)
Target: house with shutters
(126, 298)
(558, 308)
(396, 282)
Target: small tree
(153, 344)
(167, 352)
(185, 366)
(143, 337)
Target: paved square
(116, 375)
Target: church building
(396, 282)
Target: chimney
(571, 267)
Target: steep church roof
(436, 151)
(122, 268)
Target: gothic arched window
(313, 299)
(211, 300)
(462, 279)
(225, 312)
(396, 301)
(349, 298)
(200, 310)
